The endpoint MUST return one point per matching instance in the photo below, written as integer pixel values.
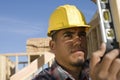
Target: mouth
(78, 50)
(78, 54)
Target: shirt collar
(62, 74)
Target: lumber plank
(33, 67)
(115, 9)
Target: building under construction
(38, 56)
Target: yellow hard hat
(66, 16)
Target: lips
(78, 50)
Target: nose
(77, 40)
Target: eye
(82, 33)
(68, 34)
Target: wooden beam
(27, 71)
(16, 68)
(3, 70)
(33, 67)
(21, 54)
(115, 9)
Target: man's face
(70, 46)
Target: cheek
(84, 43)
(61, 52)
(64, 44)
(63, 49)
(68, 44)
(59, 46)
(84, 40)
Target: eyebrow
(68, 32)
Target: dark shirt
(56, 72)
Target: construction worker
(68, 28)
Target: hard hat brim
(79, 26)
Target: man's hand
(106, 69)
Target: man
(68, 28)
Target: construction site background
(38, 56)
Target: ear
(52, 45)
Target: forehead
(75, 29)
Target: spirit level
(107, 25)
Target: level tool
(107, 25)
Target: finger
(108, 59)
(118, 75)
(96, 56)
(102, 50)
(115, 68)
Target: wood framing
(115, 9)
(28, 71)
(7, 68)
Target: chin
(78, 63)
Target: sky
(21, 20)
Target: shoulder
(44, 75)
